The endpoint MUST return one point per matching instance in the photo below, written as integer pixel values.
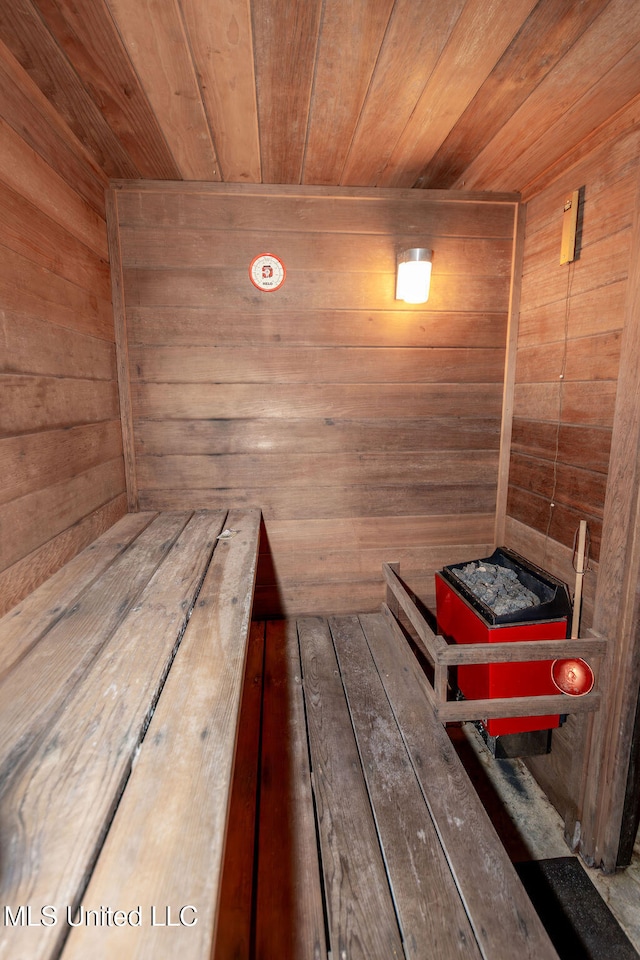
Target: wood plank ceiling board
(352, 34)
(222, 47)
(481, 35)
(28, 38)
(285, 39)
(86, 34)
(608, 96)
(155, 38)
(414, 40)
(607, 40)
(536, 49)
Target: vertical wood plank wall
(60, 438)
(364, 429)
(570, 329)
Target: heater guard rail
(443, 655)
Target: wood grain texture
(223, 56)
(27, 36)
(407, 57)
(374, 469)
(191, 738)
(284, 33)
(28, 621)
(428, 903)
(56, 664)
(122, 352)
(339, 503)
(56, 331)
(479, 38)
(506, 426)
(24, 170)
(361, 918)
(318, 209)
(35, 346)
(95, 50)
(616, 606)
(292, 92)
(155, 38)
(349, 408)
(190, 326)
(21, 578)
(341, 84)
(336, 402)
(29, 232)
(509, 84)
(32, 290)
(286, 437)
(316, 364)
(27, 110)
(46, 403)
(48, 511)
(560, 91)
(289, 907)
(233, 937)
(68, 817)
(572, 330)
(484, 874)
(57, 455)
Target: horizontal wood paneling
(327, 404)
(45, 513)
(188, 326)
(185, 401)
(339, 502)
(23, 577)
(287, 437)
(434, 469)
(38, 348)
(56, 249)
(56, 454)
(398, 214)
(46, 403)
(329, 365)
(60, 436)
(571, 327)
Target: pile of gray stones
(497, 587)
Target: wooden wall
(571, 325)
(60, 437)
(364, 429)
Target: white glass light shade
(414, 275)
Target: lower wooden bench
(371, 841)
(120, 687)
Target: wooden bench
(372, 842)
(120, 689)
(178, 782)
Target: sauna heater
(464, 618)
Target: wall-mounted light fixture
(414, 275)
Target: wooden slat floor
(368, 840)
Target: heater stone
(498, 587)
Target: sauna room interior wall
(570, 328)
(60, 435)
(364, 430)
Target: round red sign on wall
(267, 272)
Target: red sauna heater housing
(463, 618)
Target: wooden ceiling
(473, 94)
